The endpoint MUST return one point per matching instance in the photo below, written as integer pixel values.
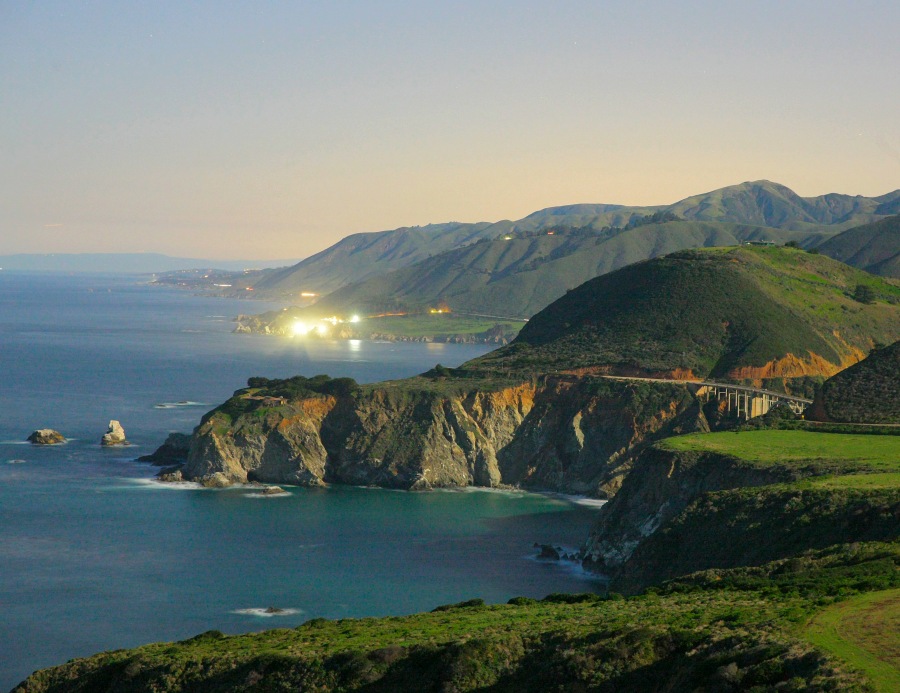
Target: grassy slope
(864, 632)
(366, 254)
(712, 311)
(788, 447)
(873, 247)
(730, 630)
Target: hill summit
(745, 314)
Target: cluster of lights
(322, 327)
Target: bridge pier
(749, 402)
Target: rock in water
(115, 435)
(174, 451)
(273, 490)
(170, 474)
(548, 553)
(46, 436)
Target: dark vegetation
(712, 312)
(868, 392)
(261, 394)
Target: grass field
(879, 453)
(872, 482)
(864, 631)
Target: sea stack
(46, 436)
(115, 435)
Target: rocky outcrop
(571, 434)
(46, 436)
(174, 451)
(115, 435)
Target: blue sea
(95, 555)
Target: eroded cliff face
(683, 512)
(660, 486)
(569, 434)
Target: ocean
(96, 555)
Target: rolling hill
(519, 274)
(758, 203)
(746, 313)
(873, 247)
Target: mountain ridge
(765, 203)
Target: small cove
(97, 556)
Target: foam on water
(178, 405)
(171, 485)
(267, 612)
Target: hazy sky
(272, 129)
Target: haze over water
(95, 555)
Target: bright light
(300, 329)
(308, 294)
(355, 318)
(322, 329)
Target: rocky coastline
(571, 435)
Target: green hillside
(759, 203)
(868, 392)
(520, 273)
(873, 247)
(746, 313)
(733, 630)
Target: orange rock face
(792, 366)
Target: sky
(238, 130)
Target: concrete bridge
(744, 401)
(750, 402)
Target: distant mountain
(873, 247)
(521, 273)
(363, 255)
(868, 392)
(741, 314)
(141, 263)
(759, 203)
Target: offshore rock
(46, 436)
(548, 553)
(170, 474)
(115, 435)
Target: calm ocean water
(94, 555)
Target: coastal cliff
(711, 502)
(568, 434)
